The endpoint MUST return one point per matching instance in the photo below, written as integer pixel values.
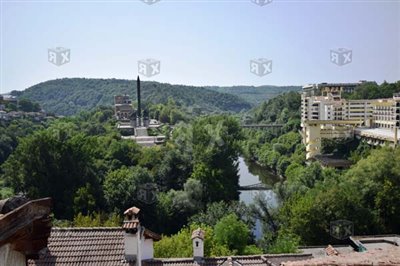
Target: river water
(251, 173)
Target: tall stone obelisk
(139, 110)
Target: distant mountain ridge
(69, 96)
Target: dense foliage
(69, 96)
(84, 165)
(372, 90)
(256, 95)
(283, 109)
(93, 176)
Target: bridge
(263, 126)
(258, 186)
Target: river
(251, 173)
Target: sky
(201, 42)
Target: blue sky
(200, 42)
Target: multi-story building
(386, 112)
(328, 115)
(123, 107)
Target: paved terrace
(377, 133)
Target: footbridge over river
(258, 186)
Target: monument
(134, 124)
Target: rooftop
(105, 247)
(377, 256)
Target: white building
(330, 116)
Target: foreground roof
(105, 247)
(377, 256)
(25, 224)
(253, 260)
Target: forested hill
(68, 96)
(256, 95)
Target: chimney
(132, 230)
(198, 245)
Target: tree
(97, 220)
(121, 187)
(45, 165)
(180, 245)
(232, 232)
(285, 243)
(26, 105)
(215, 151)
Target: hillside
(70, 95)
(256, 95)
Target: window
(197, 244)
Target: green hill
(70, 95)
(256, 95)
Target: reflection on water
(251, 173)
(264, 174)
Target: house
(24, 229)
(6, 98)
(4, 115)
(132, 244)
(15, 114)
(129, 244)
(26, 238)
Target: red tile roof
(130, 224)
(83, 246)
(252, 260)
(105, 247)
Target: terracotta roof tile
(331, 251)
(105, 247)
